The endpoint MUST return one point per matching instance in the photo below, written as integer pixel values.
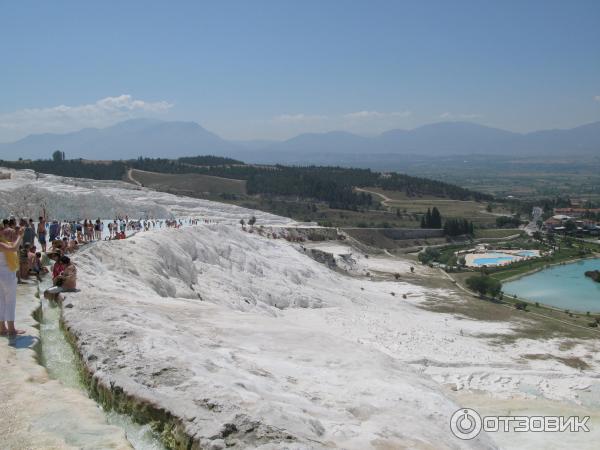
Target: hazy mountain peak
(124, 140)
(156, 138)
(135, 124)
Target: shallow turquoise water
(60, 360)
(564, 287)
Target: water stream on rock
(60, 360)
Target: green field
(391, 209)
(188, 184)
(530, 186)
(377, 238)
(537, 322)
(234, 191)
(496, 233)
(312, 211)
(410, 206)
(525, 178)
(565, 251)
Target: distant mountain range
(154, 138)
(125, 140)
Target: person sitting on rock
(31, 258)
(68, 275)
(73, 245)
(37, 267)
(64, 246)
(65, 281)
(24, 262)
(56, 246)
(58, 266)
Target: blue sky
(272, 69)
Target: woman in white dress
(9, 264)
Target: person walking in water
(9, 264)
(54, 230)
(29, 234)
(97, 230)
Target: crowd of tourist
(86, 230)
(21, 258)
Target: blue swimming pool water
(527, 253)
(492, 261)
(495, 258)
(564, 287)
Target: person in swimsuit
(65, 281)
(97, 233)
(41, 233)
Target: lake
(564, 287)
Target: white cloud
(454, 116)
(597, 98)
(362, 114)
(376, 114)
(62, 118)
(361, 122)
(298, 118)
(295, 118)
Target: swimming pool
(499, 257)
(563, 286)
(527, 253)
(493, 260)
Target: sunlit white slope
(205, 322)
(26, 194)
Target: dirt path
(131, 179)
(385, 198)
(483, 211)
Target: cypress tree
(436, 218)
(428, 218)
